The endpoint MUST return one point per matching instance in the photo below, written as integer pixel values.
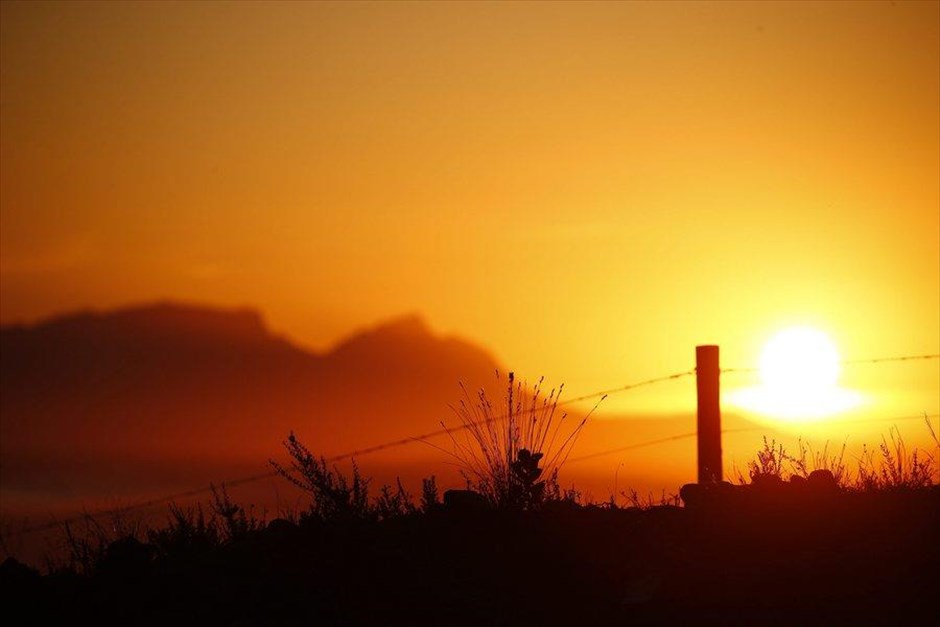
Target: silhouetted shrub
(392, 504)
(235, 521)
(430, 499)
(188, 533)
(767, 466)
(125, 557)
(333, 497)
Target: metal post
(709, 414)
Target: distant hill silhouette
(173, 382)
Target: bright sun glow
(799, 371)
(801, 360)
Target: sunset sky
(587, 190)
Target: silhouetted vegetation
(894, 467)
(802, 535)
(511, 454)
(336, 499)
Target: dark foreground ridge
(746, 558)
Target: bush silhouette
(513, 457)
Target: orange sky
(587, 189)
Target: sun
(799, 360)
(799, 371)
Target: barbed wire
(692, 434)
(852, 362)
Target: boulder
(125, 557)
(822, 480)
(464, 501)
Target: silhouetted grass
(800, 528)
(893, 467)
(512, 453)
(899, 468)
(634, 499)
(810, 460)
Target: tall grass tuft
(897, 468)
(811, 459)
(768, 462)
(511, 453)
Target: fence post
(707, 374)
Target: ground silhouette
(809, 553)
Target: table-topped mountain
(174, 381)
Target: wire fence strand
(692, 434)
(853, 362)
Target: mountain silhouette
(174, 384)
